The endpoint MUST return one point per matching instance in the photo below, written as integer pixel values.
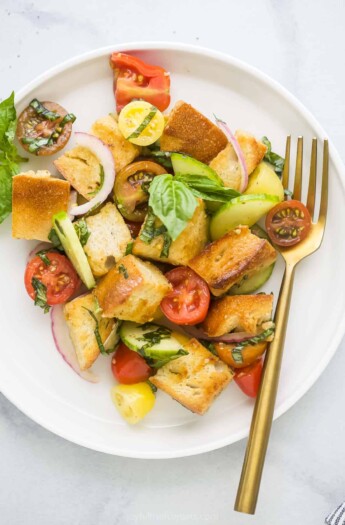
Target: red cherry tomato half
(135, 79)
(249, 377)
(189, 299)
(288, 223)
(129, 367)
(59, 277)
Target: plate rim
(339, 168)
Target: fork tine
(312, 178)
(285, 177)
(324, 187)
(297, 187)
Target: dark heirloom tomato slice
(135, 79)
(288, 223)
(134, 227)
(129, 367)
(131, 188)
(44, 128)
(249, 378)
(59, 277)
(188, 302)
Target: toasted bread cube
(124, 152)
(36, 197)
(132, 290)
(194, 380)
(82, 169)
(242, 313)
(226, 261)
(82, 326)
(226, 165)
(109, 237)
(188, 131)
(188, 244)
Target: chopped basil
(122, 269)
(207, 189)
(154, 337)
(129, 248)
(273, 158)
(147, 233)
(166, 245)
(40, 294)
(161, 362)
(54, 239)
(236, 352)
(210, 346)
(101, 182)
(43, 111)
(152, 386)
(42, 255)
(161, 157)
(144, 124)
(98, 335)
(70, 117)
(82, 231)
(36, 143)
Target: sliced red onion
(105, 157)
(234, 337)
(113, 338)
(72, 203)
(38, 248)
(64, 344)
(233, 141)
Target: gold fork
(249, 485)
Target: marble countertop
(45, 479)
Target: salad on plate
(150, 252)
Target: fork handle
(260, 428)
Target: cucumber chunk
(265, 180)
(253, 283)
(245, 210)
(184, 165)
(74, 250)
(155, 341)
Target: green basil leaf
(207, 189)
(273, 158)
(43, 111)
(55, 240)
(172, 202)
(40, 294)
(82, 231)
(122, 269)
(97, 334)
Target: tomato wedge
(248, 378)
(135, 79)
(59, 278)
(129, 367)
(188, 302)
(288, 223)
(134, 227)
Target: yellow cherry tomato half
(133, 401)
(141, 123)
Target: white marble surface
(44, 479)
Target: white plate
(34, 376)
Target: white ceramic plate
(34, 376)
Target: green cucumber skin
(130, 340)
(254, 282)
(184, 165)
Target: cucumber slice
(184, 165)
(253, 283)
(265, 180)
(245, 210)
(155, 341)
(74, 250)
(260, 232)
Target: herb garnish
(101, 182)
(54, 239)
(9, 157)
(161, 157)
(40, 294)
(144, 124)
(36, 143)
(236, 352)
(98, 335)
(43, 111)
(82, 231)
(129, 248)
(161, 362)
(152, 386)
(155, 336)
(273, 158)
(122, 269)
(150, 232)
(207, 188)
(167, 240)
(42, 255)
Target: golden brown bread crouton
(249, 353)
(242, 313)
(124, 152)
(109, 237)
(188, 131)
(226, 165)
(132, 290)
(82, 326)
(188, 244)
(194, 380)
(226, 261)
(82, 169)
(36, 197)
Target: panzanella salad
(149, 252)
